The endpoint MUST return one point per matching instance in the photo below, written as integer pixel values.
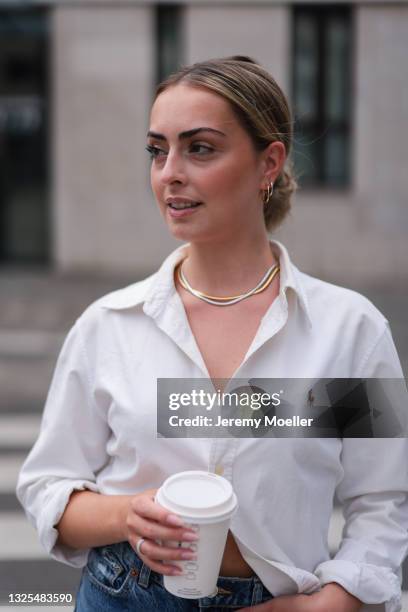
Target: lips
(181, 203)
(179, 206)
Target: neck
(228, 268)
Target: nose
(173, 169)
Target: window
(169, 40)
(321, 94)
(24, 223)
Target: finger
(154, 551)
(146, 507)
(162, 568)
(152, 530)
(167, 569)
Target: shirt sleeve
(374, 498)
(69, 452)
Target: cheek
(153, 176)
(233, 180)
(222, 179)
(154, 181)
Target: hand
(147, 519)
(331, 598)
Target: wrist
(121, 515)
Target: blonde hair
(261, 108)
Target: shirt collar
(155, 291)
(291, 277)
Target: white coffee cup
(206, 503)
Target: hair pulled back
(261, 108)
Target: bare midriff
(233, 563)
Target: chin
(188, 233)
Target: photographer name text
(274, 421)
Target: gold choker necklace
(233, 299)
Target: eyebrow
(186, 134)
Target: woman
(229, 303)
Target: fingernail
(176, 572)
(189, 556)
(175, 520)
(190, 537)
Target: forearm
(334, 597)
(91, 519)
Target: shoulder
(356, 334)
(153, 289)
(112, 324)
(340, 306)
(129, 298)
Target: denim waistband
(108, 565)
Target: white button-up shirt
(99, 432)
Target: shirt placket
(222, 455)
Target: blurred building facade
(76, 84)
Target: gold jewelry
(267, 194)
(227, 301)
(266, 284)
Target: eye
(154, 151)
(205, 149)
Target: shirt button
(219, 469)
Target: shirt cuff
(55, 503)
(372, 584)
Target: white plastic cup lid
(198, 495)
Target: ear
(274, 157)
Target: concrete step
(18, 431)
(24, 382)
(40, 299)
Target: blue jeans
(115, 578)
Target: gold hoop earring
(267, 194)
